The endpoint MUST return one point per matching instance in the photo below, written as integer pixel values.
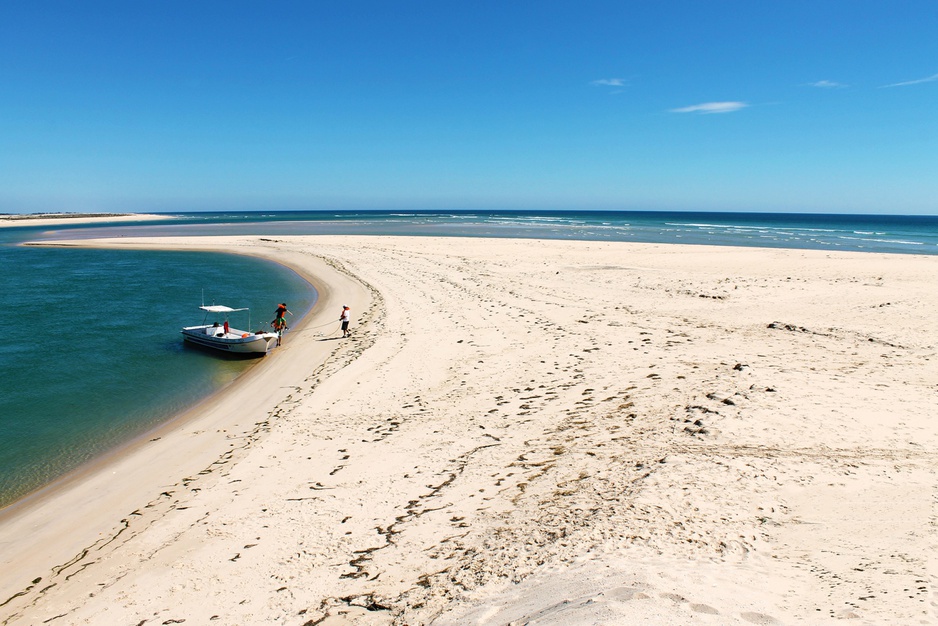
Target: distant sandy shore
(553, 432)
(52, 219)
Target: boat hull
(234, 341)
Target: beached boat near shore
(221, 336)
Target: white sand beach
(527, 432)
(58, 219)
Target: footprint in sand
(760, 618)
(624, 594)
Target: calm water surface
(94, 356)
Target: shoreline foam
(541, 430)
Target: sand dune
(529, 432)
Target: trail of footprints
(540, 420)
(174, 499)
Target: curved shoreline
(171, 419)
(540, 430)
(180, 446)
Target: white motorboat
(221, 336)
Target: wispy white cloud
(826, 84)
(919, 81)
(706, 108)
(611, 82)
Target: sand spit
(58, 219)
(530, 432)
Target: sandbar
(553, 432)
(56, 219)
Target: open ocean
(95, 357)
(863, 233)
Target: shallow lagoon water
(95, 357)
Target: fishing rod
(309, 328)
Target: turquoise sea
(863, 233)
(95, 357)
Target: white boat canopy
(218, 308)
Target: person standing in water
(344, 318)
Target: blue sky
(820, 106)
